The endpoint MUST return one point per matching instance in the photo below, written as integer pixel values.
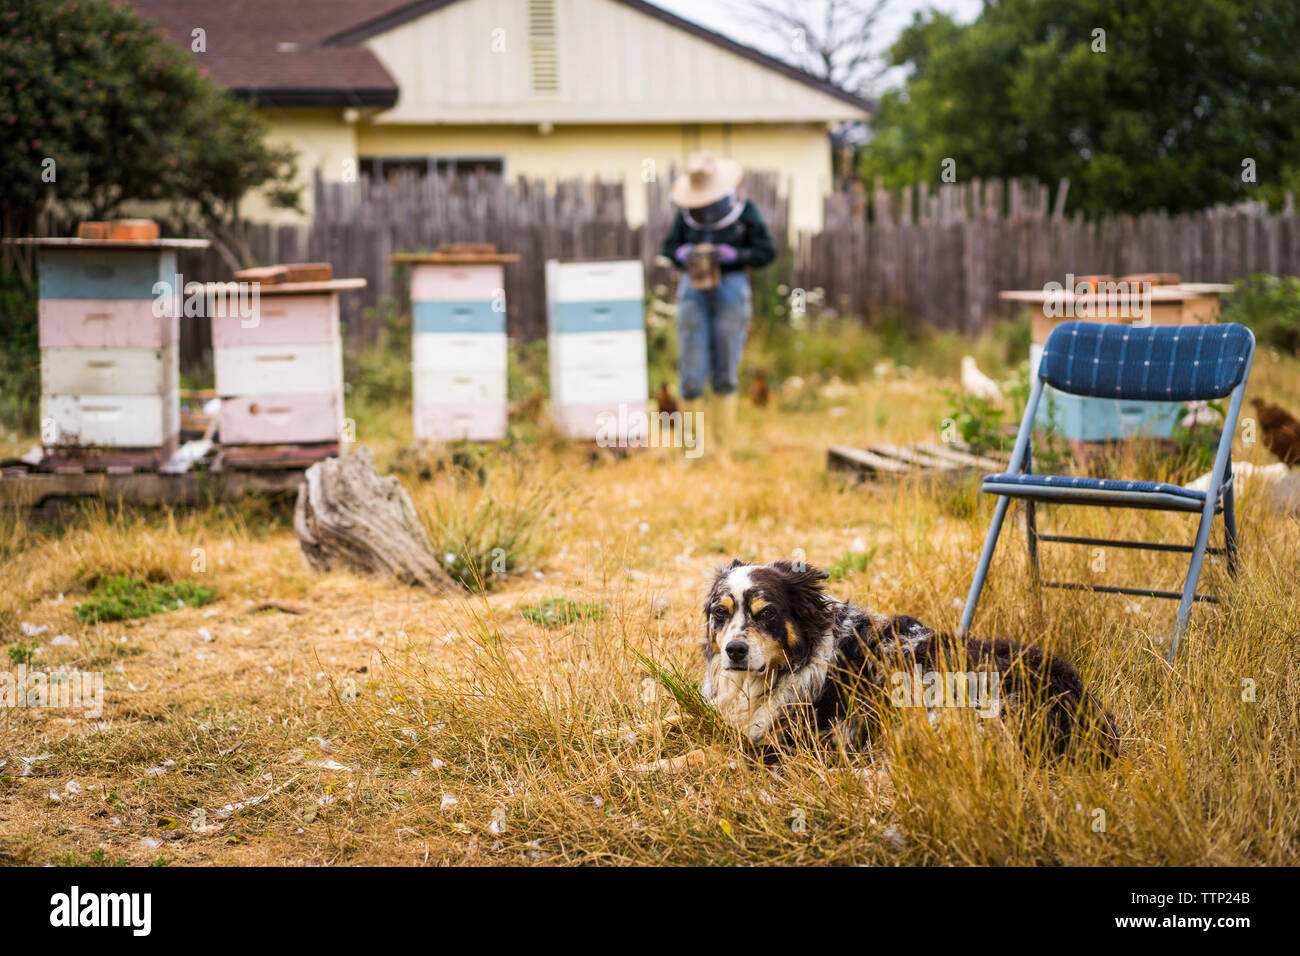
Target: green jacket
(748, 235)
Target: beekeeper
(716, 235)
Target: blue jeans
(711, 329)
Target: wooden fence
(932, 257)
(358, 226)
(940, 258)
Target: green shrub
(851, 563)
(557, 612)
(379, 376)
(1270, 307)
(120, 597)
(20, 357)
(978, 422)
(487, 525)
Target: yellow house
(548, 89)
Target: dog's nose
(736, 651)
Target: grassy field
(259, 713)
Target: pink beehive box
(446, 283)
(105, 323)
(279, 368)
(620, 421)
(309, 319)
(280, 419)
(460, 422)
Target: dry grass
(389, 727)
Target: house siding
(800, 152)
(469, 63)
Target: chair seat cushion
(1157, 495)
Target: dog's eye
(766, 614)
(720, 614)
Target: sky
(726, 17)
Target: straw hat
(706, 180)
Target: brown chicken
(664, 399)
(759, 393)
(1279, 429)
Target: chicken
(759, 393)
(664, 399)
(668, 407)
(1279, 429)
(530, 408)
(976, 383)
(1244, 474)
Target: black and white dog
(781, 654)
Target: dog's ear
(808, 603)
(721, 575)
(804, 575)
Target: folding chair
(1154, 363)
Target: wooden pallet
(75, 459)
(47, 496)
(918, 460)
(258, 457)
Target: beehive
(459, 346)
(109, 331)
(279, 375)
(596, 336)
(1089, 419)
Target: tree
(834, 40)
(98, 109)
(1175, 105)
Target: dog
(781, 655)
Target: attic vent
(543, 58)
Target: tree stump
(349, 517)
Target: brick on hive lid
(271, 275)
(92, 229)
(308, 271)
(1090, 281)
(1139, 280)
(1170, 278)
(133, 230)
(467, 249)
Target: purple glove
(683, 251)
(726, 254)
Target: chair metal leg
(1230, 528)
(1193, 573)
(986, 558)
(1031, 535)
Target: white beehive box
(597, 345)
(459, 349)
(109, 335)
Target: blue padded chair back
(1170, 363)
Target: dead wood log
(349, 517)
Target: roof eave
(290, 96)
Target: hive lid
(453, 259)
(69, 242)
(291, 288)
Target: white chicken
(976, 383)
(1244, 473)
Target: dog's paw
(691, 760)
